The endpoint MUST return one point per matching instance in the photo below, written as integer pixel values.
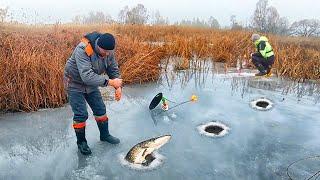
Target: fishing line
(160, 98)
(303, 159)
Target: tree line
(265, 19)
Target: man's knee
(271, 60)
(96, 103)
(256, 61)
(99, 109)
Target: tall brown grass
(296, 57)
(31, 68)
(138, 61)
(33, 58)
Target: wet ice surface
(259, 145)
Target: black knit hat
(106, 41)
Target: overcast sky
(175, 10)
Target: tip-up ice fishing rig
(165, 102)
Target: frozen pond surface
(258, 145)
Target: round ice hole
(213, 129)
(261, 104)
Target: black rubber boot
(104, 133)
(82, 142)
(261, 69)
(260, 74)
(269, 73)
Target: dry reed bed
(296, 58)
(138, 62)
(32, 64)
(32, 59)
(31, 68)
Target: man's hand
(116, 83)
(118, 94)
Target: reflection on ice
(206, 72)
(235, 75)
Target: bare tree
(123, 14)
(79, 19)
(195, 22)
(266, 19)
(276, 24)
(283, 26)
(213, 23)
(199, 23)
(272, 19)
(3, 14)
(233, 20)
(306, 28)
(260, 16)
(136, 15)
(93, 18)
(185, 22)
(234, 23)
(157, 19)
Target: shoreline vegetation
(32, 57)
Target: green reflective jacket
(264, 47)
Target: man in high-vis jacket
(92, 64)
(263, 59)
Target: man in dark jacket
(263, 59)
(84, 72)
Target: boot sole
(103, 140)
(110, 142)
(85, 153)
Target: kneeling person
(263, 59)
